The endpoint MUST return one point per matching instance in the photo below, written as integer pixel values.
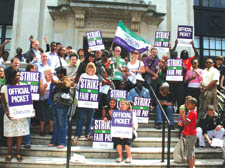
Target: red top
(190, 127)
(187, 62)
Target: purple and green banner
(129, 40)
(122, 124)
(119, 95)
(88, 93)
(174, 70)
(95, 40)
(32, 79)
(20, 101)
(162, 39)
(184, 35)
(141, 107)
(102, 135)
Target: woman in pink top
(194, 78)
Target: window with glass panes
(5, 34)
(211, 46)
(210, 3)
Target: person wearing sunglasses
(208, 95)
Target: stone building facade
(67, 21)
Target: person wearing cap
(210, 126)
(119, 66)
(139, 90)
(166, 100)
(135, 68)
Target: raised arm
(195, 50)
(2, 46)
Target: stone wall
(68, 21)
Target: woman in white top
(13, 127)
(89, 112)
(135, 68)
(121, 142)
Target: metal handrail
(71, 112)
(163, 132)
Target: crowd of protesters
(63, 67)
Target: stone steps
(142, 132)
(49, 162)
(138, 142)
(151, 123)
(146, 152)
(89, 152)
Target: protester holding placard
(82, 67)
(185, 56)
(107, 111)
(82, 111)
(13, 127)
(121, 142)
(60, 110)
(135, 68)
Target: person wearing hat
(166, 100)
(139, 90)
(210, 126)
(135, 68)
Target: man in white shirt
(72, 67)
(208, 88)
(42, 65)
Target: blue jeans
(26, 139)
(81, 113)
(168, 110)
(59, 124)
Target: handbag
(60, 97)
(179, 153)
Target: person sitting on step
(210, 126)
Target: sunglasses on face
(209, 63)
(117, 50)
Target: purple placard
(122, 118)
(174, 70)
(185, 32)
(102, 131)
(95, 40)
(19, 95)
(88, 90)
(141, 106)
(162, 39)
(32, 79)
